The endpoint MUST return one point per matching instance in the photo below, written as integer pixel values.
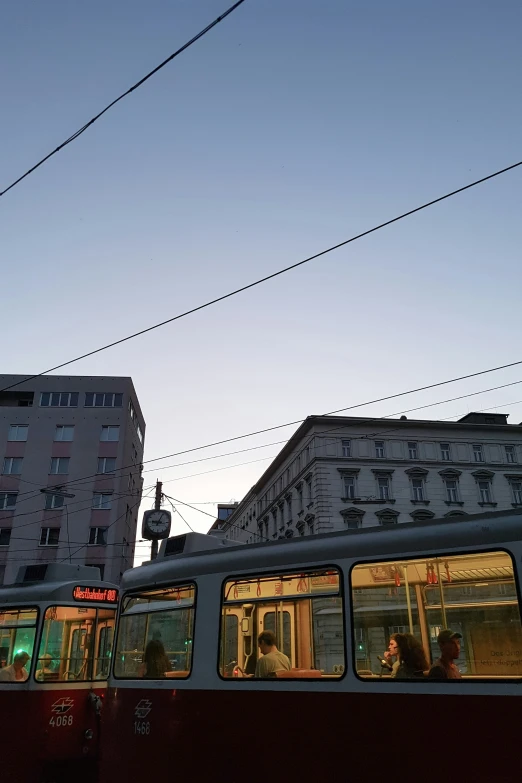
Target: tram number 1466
(141, 727)
(61, 720)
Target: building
(224, 510)
(344, 472)
(84, 434)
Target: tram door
(78, 654)
(272, 617)
(104, 641)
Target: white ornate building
(344, 472)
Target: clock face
(158, 522)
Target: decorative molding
(450, 473)
(455, 514)
(376, 502)
(309, 519)
(487, 504)
(482, 474)
(387, 512)
(420, 515)
(383, 471)
(352, 512)
(454, 502)
(420, 502)
(513, 476)
(417, 472)
(349, 471)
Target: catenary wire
(270, 277)
(91, 122)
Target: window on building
(478, 453)
(485, 493)
(98, 536)
(18, 432)
(143, 619)
(452, 490)
(59, 399)
(49, 536)
(413, 452)
(103, 400)
(445, 453)
(299, 489)
(5, 536)
(379, 449)
(303, 611)
(383, 485)
(516, 488)
(387, 517)
(54, 501)
(12, 466)
(110, 432)
(427, 594)
(346, 448)
(309, 493)
(102, 500)
(64, 432)
(511, 454)
(353, 518)
(59, 466)
(7, 500)
(349, 487)
(108, 465)
(417, 489)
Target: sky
(291, 126)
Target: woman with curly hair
(413, 663)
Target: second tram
(56, 636)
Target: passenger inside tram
(45, 671)
(412, 660)
(271, 660)
(16, 672)
(155, 661)
(462, 609)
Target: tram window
(75, 644)
(155, 634)
(17, 634)
(305, 613)
(473, 595)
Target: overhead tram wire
(271, 276)
(177, 511)
(331, 413)
(213, 516)
(124, 95)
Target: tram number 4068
(61, 720)
(141, 727)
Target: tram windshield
(289, 625)
(17, 634)
(155, 634)
(76, 644)
(461, 610)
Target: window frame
(381, 447)
(63, 427)
(100, 494)
(274, 573)
(96, 536)
(431, 556)
(445, 451)
(50, 500)
(108, 427)
(17, 440)
(512, 453)
(58, 460)
(106, 472)
(49, 528)
(346, 448)
(478, 449)
(11, 473)
(120, 613)
(10, 607)
(413, 450)
(61, 394)
(8, 492)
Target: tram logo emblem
(62, 706)
(142, 708)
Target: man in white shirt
(17, 671)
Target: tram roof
(442, 535)
(51, 591)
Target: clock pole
(157, 507)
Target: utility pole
(157, 507)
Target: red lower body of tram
(300, 737)
(50, 735)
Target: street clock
(156, 524)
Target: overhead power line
(269, 277)
(72, 484)
(122, 96)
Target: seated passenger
(155, 661)
(413, 662)
(272, 660)
(16, 672)
(391, 653)
(444, 668)
(45, 664)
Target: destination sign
(102, 595)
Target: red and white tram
(332, 601)
(56, 634)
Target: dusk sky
(291, 126)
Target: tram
(56, 635)
(184, 700)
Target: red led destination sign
(102, 595)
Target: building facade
(80, 439)
(345, 472)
